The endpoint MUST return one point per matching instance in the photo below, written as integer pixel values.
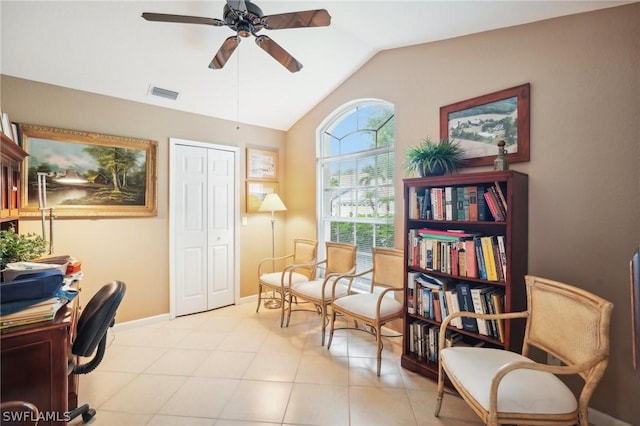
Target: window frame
(324, 222)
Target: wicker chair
(304, 252)
(340, 260)
(378, 306)
(566, 322)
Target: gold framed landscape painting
(88, 174)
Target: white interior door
(203, 205)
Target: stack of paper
(42, 311)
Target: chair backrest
(19, 413)
(341, 257)
(97, 317)
(305, 251)
(388, 267)
(569, 323)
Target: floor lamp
(42, 206)
(272, 203)
(70, 177)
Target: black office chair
(95, 320)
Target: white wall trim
(142, 322)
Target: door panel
(204, 228)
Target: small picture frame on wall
(256, 191)
(262, 164)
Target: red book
(470, 259)
(492, 207)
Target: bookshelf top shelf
(464, 178)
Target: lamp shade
(272, 203)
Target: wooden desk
(34, 364)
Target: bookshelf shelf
(439, 260)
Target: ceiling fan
(246, 19)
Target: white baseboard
(598, 418)
(142, 321)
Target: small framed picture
(256, 191)
(262, 165)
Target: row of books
(458, 253)
(424, 340)
(459, 203)
(435, 298)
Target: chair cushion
(520, 391)
(365, 305)
(313, 289)
(273, 278)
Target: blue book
(466, 304)
(482, 271)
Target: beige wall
(136, 250)
(584, 175)
(584, 178)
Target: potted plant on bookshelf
(16, 247)
(434, 158)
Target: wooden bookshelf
(11, 156)
(513, 229)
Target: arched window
(356, 177)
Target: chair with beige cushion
(291, 268)
(340, 260)
(383, 303)
(566, 322)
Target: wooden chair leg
(289, 311)
(259, 297)
(323, 310)
(331, 328)
(282, 309)
(439, 392)
(379, 346)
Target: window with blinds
(355, 179)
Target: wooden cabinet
(34, 360)
(513, 230)
(11, 156)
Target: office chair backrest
(97, 317)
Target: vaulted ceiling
(105, 47)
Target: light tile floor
(233, 366)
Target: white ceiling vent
(164, 93)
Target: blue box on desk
(38, 285)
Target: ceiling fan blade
(278, 53)
(307, 18)
(225, 52)
(182, 19)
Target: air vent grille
(164, 93)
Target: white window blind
(355, 179)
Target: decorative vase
(501, 162)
